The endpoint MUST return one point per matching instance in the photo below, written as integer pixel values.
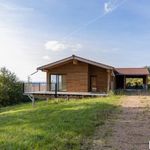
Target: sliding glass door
(60, 80)
(53, 81)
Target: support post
(39, 87)
(48, 81)
(124, 82)
(32, 99)
(108, 80)
(23, 89)
(145, 82)
(55, 90)
(47, 99)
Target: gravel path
(130, 130)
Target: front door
(93, 86)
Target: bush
(11, 89)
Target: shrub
(11, 89)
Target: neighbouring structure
(79, 76)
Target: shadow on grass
(133, 92)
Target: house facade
(79, 76)
(76, 74)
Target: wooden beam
(145, 82)
(75, 62)
(124, 82)
(48, 81)
(108, 80)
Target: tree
(148, 67)
(11, 89)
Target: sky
(34, 33)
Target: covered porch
(42, 89)
(132, 78)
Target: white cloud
(60, 46)
(46, 57)
(55, 46)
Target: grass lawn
(53, 125)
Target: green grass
(53, 125)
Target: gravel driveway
(127, 130)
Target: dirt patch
(127, 130)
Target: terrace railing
(39, 87)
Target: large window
(60, 80)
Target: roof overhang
(132, 71)
(73, 57)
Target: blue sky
(33, 33)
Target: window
(60, 80)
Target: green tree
(148, 67)
(11, 89)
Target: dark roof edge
(76, 58)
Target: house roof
(132, 71)
(73, 57)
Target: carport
(122, 74)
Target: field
(56, 125)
